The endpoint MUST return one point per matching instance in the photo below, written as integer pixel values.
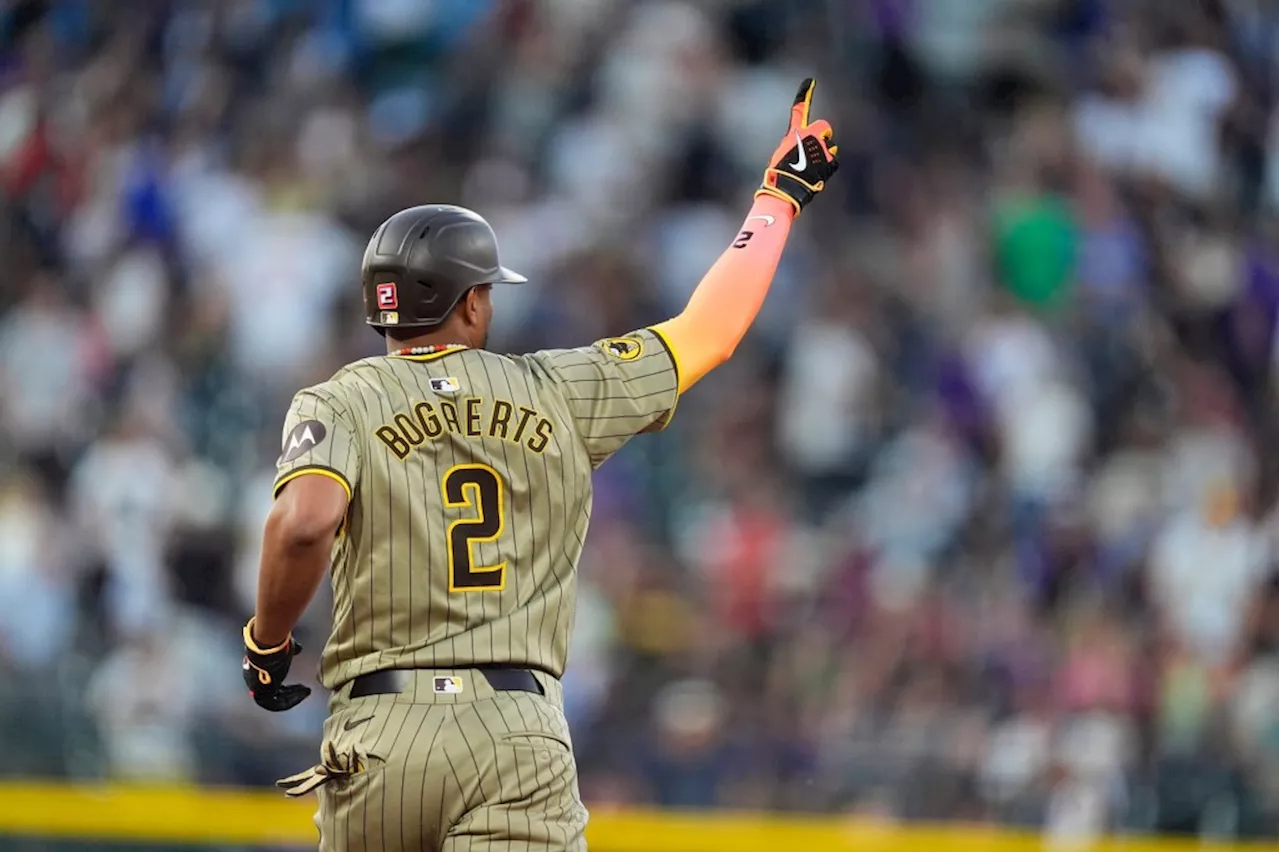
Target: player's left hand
(264, 671)
(806, 157)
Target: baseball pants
(448, 763)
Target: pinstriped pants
(471, 771)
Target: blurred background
(979, 524)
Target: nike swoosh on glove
(806, 157)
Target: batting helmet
(422, 260)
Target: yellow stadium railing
(203, 815)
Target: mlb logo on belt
(447, 685)
(387, 296)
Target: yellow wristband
(777, 193)
(253, 646)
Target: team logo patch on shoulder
(303, 438)
(622, 348)
(446, 385)
(447, 685)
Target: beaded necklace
(430, 350)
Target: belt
(393, 681)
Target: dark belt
(393, 681)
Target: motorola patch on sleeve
(303, 438)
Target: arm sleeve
(729, 296)
(616, 388)
(319, 438)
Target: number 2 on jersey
(479, 488)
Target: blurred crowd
(980, 523)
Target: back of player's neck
(425, 341)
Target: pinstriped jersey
(469, 480)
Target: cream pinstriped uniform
(469, 475)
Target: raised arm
(729, 296)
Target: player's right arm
(316, 474)
(626, 385)
(729, 296)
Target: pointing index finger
(800, 106)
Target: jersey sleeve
(319, 437)
(616, 388)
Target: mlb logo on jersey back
(447, 685)
(387, 296)
(446, 385)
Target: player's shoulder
(621, 349)
(495, 362)
(343, 387)
(347, 374)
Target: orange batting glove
(806, 157)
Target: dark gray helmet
(421, 261)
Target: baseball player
(446, 489)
